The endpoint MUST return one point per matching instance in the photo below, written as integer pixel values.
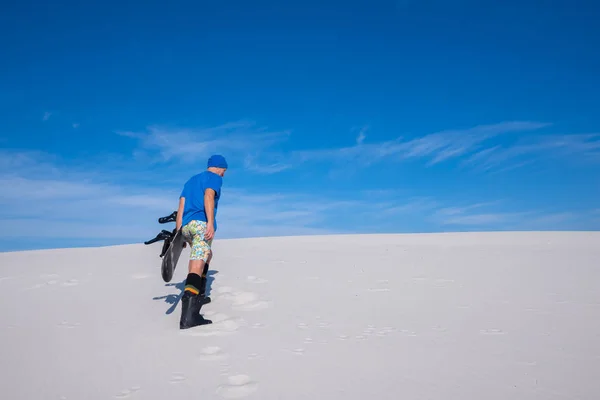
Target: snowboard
(171, 255)
(171, 249)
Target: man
(196, 217)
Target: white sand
(448, 316)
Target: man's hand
(209, 208)
(210, 231)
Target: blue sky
(335, 117)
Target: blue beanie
(217, 161)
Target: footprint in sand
(177, 377)
(128, 392)
(141, 276)
(369, 330)
(385, 331)
(224, 290)
(492, 332)
(442, 283)
(302, 325)
(248, 301)
(71, 282)
(381, 286)
(221, 325)
(299, 351)
(237, 386)
(48, 283)
(224, 369)
(212, 353)
(65, 324)
(255, 279)
(407, 332)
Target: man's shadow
(173, 299)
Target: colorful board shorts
(193, 233)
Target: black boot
(202, 294)
(199, 301)
(190, 312)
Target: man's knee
(206, 266)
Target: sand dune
(438, 316)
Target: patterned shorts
(193, 233)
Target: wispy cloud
(449, 144)
(26, 162)
(360, 138)
(480, 214)
(244, 214)
(69, 204)
(46, 196)
(554, 219)
(434, 148)
(581, 147)
(501, 147)
(46, 116)
(402, 205)
(490, 215)
(483, 219)
(236, 140)
(266, 163)
(93, 197)
(462, 210)
(41, 198)
(64, 199)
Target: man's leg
(196, 279)
(196, 266)
(205, 271)
(198, 255)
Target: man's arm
(179, 218)
(209, 206)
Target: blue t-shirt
(193, 191)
